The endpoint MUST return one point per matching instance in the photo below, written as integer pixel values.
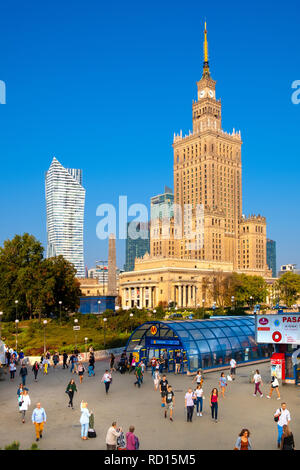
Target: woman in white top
(198, 378)
(257, 382)
(156, 379)
(274, 385)
(199, 399)
(84, 420)
(24, 403)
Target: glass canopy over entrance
(202, 344)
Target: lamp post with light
(17, 324)
(16, 302)
(86, 340)
(75, 331)
(104, 330)
(130, 315)
(45, 323)
(232, 302)
(99, 302)
(1, 313)
(60, 304)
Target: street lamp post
(45, 323)
(86, 340)
(16, 302)
(104, 330)
(76, 321)
(251, 298)
(99, 302)
(60, 304)
(232, 301)
(1, 313)
(154, 311)
(131, 315)
(17, 323)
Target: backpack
(136, 443)
(121, 444)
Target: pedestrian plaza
(141, 407)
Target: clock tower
(206, 110)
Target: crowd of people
(115, 437)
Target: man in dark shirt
(163, 384)
(170, 402)
(65, 358)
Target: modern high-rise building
(137, 242)
(65, 199)
(162, 205)
(271, 256)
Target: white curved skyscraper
(65, 198)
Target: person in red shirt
(153, 365)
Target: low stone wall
(99, 356)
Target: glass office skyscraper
(138, 245)
(65, 198)
(271, 256)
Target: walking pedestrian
(72, 362)
(143, 367)
(199, 399)
(232, 368)
(243, 442)
(189, 404)
(81, 371)
(274, 386)
(282, 417)
(170, 402)
(24, 403)
(70, 390)
(55, 359)
(198, 378)
(132, 441)
(23, 373)
(153, 366)
(214, 398)
(111, 437)
(20, 390)
(12, 369)
(65, 359)
(163, 386)
(177, 363)
(287, 439)
(35, 369)
(112, 362)
(257, 382)
(222, 384)
(84, 420)
(46, 364)
(107, 379)
(156, 379)
(138, 374)
(132, 365)
(39, 419)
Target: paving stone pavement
(128, 405)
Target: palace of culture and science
(211, 234)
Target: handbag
(276, 418)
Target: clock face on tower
(211, 93)
(202, 94)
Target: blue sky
(103, 86)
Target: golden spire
(205, 63)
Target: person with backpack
(107, 380)
(274, 386)
(55, 359)
(132, 441)
(72, 362)
(170, 402)
(282, 417)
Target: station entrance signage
(278, 329)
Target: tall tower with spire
(208, 172)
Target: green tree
(38, 284)
(288, 286)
